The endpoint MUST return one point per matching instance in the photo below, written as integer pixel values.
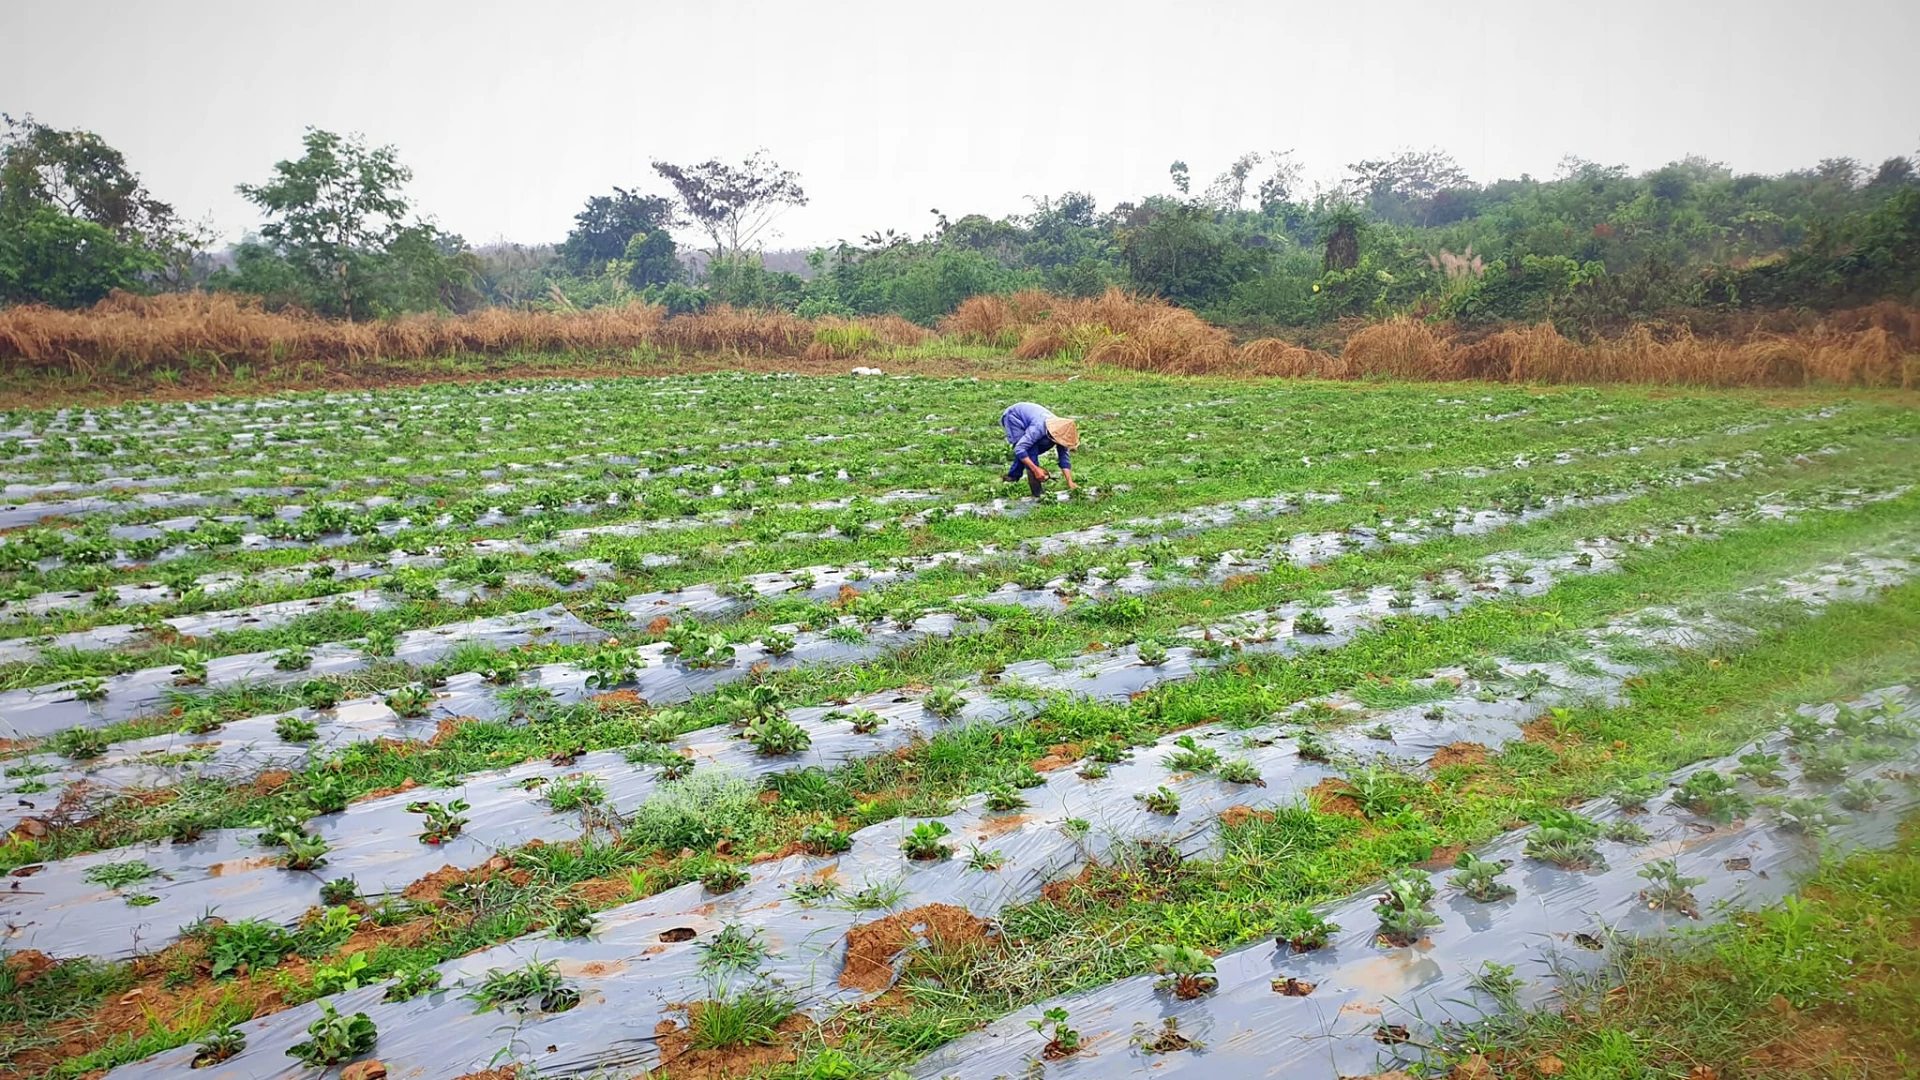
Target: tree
(76, 223)
(336, 219)
(734, 204)
(55, 258)
(1895, 172)
(626, 226)
(1182, 177)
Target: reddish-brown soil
(1331, 796)
(380, 793)
(1057, 892)
(1235, 816)
(872, 947)
(271, 781)
(1459, 753)
(1059, 756)
(618, 700)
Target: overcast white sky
(511, 114)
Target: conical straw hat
(1064, 431)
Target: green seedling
(1063, 1042)
(534, 981)
(119, 875)
(410, 983)
(293, 729)
(1304, 931)
(1566, 848)
(443, 819)
(983, 859)
(725, 878)
(776, 736)
(574, 793)
(340, 892)
(1162, 800)
(1192, 757)
(1151, 653)
(734, 948)
(944, 702)
(823, 839)
(1668, 890)
(1480, 878)
(220, 1044)
(1187, 971)
(926, 842)
(1402, 911)
(1713, 797)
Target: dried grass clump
(723, 329)
(1283, 359)
(1174, 342)
(137, 332)
(1400, 348)
(1039, 325)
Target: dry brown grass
(130, 336)
(134, 333)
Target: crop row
(1111, 674)
(800, 916)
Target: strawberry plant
(1311, 624)
(1001, 799)
(1063, 1042)
(724, 878)
(777, 736)
(1402, 911)
(1187, 971)
(443, 820)
(1668, 890)
(926, 842)
(1192, 757)
(219, 1044)
(611, 667)
(1480, 878)
(822, 838)
(410, 701)
(944, 702)
(1304, 931)
(1162, 800)
(1712, 796)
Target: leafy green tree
(76, 223)
(55, 258)
(629, 227)
(337, 238)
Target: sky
(512, 114)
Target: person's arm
(1066, 467)
(1023, 450)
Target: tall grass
(1876, 347)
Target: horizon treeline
(1594, 250)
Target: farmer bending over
(1033, 431)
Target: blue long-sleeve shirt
(1026, 426)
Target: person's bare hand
(1040, 474)
(1071, 486)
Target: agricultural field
(749, 724)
